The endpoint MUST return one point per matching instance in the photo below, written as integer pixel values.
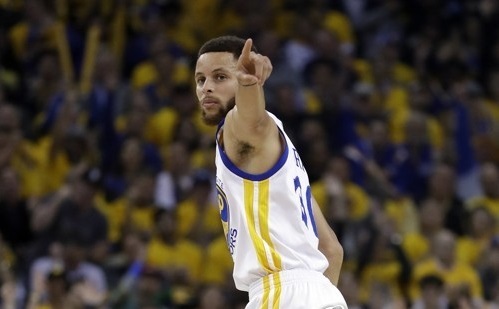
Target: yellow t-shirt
(56, 165)
(115, 217)
(160, 131)
(27, 162)
(182, 254)
(204, 12)
(146, 73)
(401, 74)
(189, 214)
(459, 274)
(386, 273)
(358, 200)
(403, 212)
(470, 250)
(19, 33)
(416, 247)
(339, 24)
(398, 132)
(142, 219)
(492, 205)
(218, 263)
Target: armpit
(244, 149)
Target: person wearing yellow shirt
(382, 264)
(489, 181)
(416, 244)
(218, 263)
(442, 187)
(471, 248)
(36, 32)
(198, 216)
(346, 205)
(415, 97)
(402, 210)
(336, 192)
(161, 68)
(180, 259)
(18, 152)
(140, 211)
(444, 263)
(432, 293)
(167, 120)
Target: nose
(207, 86)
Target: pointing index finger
(245, 54)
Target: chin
(212, 120)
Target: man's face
(215, 85)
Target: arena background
(107, 197)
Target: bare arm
(328, 245)
(249, 122)
(252, 70)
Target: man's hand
(252, 68)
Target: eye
(221, 77)
(200, 81)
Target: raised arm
(248, 124)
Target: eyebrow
(217, 70)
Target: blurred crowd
(107, 197)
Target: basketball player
(285, 254)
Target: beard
(220, 114)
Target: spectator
(489, 181)
(432, 294)
(458, 277)
(199, 218)
(166, 251)
(72, 211)
(84, 278)
(136, 156)
(19, 152)
(406, 91)
(442, 189)
(175, 180)
(135, 211)
(482, 228)
(431, 219)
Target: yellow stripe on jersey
(259, 230)
(257, 214)
(249, 198)
(263, 219)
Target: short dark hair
(227, 43)
(431, 280)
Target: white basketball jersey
(268, 218)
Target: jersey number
(308, 197)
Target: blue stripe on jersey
(253, 177)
